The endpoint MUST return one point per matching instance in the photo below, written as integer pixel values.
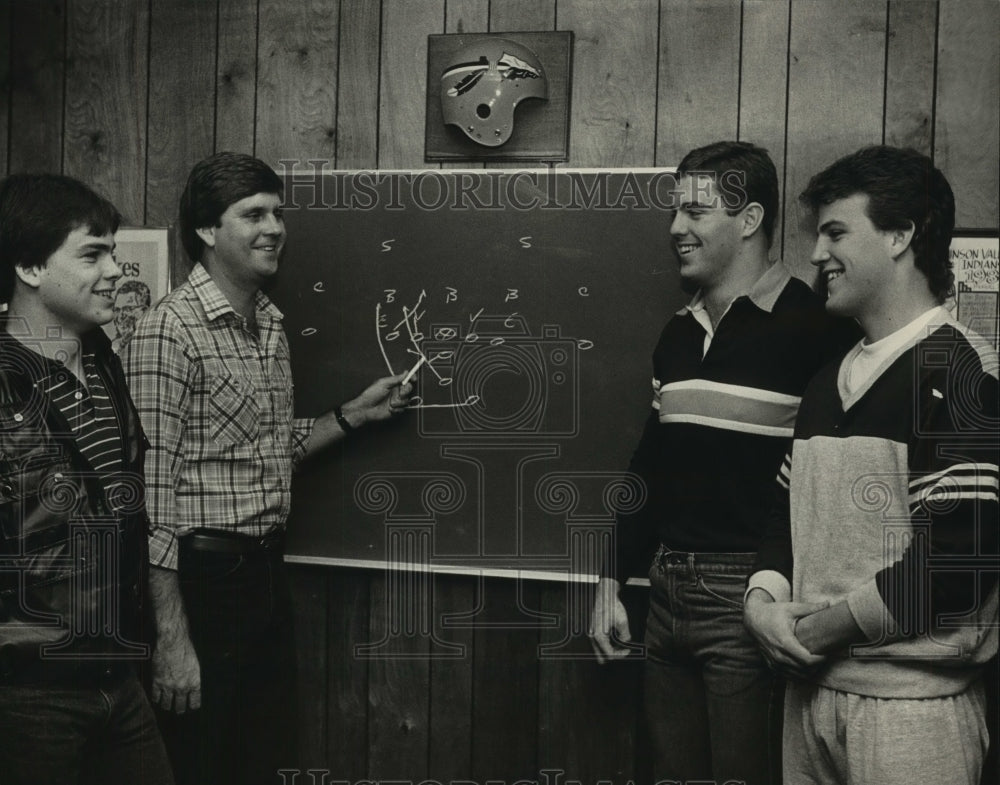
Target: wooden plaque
(541, 128)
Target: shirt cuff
(163, 547)
(302, 428)
(771, 581)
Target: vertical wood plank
(310, 604)
(357, 97)
(467, 16)
(966, 133)
(587, 712)
(105, 141)
(181, 99)
(522, 15)
(297, 81)
(505, 687)
(36, 59)
(517, 16)
(613, 116)
(764, 84)
(403, 93)
(835, 98)
(398, 694)
(909, 75)
(699, 76)
(450, 754)
(236, 76)
(346, 696)
(5, 89)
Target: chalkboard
(536, 297)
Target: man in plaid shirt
(209, 370)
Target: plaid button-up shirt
(216, 403)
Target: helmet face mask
(483, 85)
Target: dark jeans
(97, 734)
(239, 612)
(708, 692)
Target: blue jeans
(239, 615)
(708, 692)
(97, 734)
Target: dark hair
(140, 288)
(757, 178)
(215, 183)
(37, 213)
(903, 189)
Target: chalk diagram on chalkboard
(525, 385)
(411, 318)
(503, 379)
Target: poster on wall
(977, 288)
(144, 256)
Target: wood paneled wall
(129, 94)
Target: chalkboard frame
(531, 568)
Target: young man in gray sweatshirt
(876, 584)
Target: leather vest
(73, 563)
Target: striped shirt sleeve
(773, 566)
(950, 566)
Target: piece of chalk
(413, 371)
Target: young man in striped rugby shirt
(73, 527)
(728, 372)
(877, 583)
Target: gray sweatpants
(838, 738)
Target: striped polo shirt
(724, 405)
(91, 416)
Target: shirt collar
(764, 293)
(215, 302)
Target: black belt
(665, 555)
(67, 673)
(216, 541)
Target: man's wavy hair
(215, 183)
(903, 188)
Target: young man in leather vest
(73, 526)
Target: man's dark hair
(215, 183)
(37, 213)
(903, 188)
(135, 287)
(742, 172)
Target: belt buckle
(270, 540)
(658, 557)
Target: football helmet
(483, 85)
